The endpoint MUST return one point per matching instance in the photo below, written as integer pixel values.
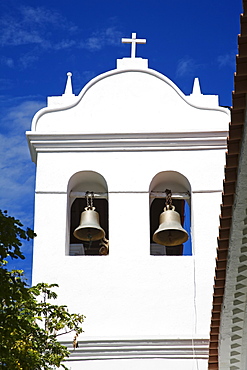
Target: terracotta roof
(231, 171)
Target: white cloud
(18, 117)
(32, 26)
(64, 44)
(41, 16)
(186, 66)
(93, 43)
(17, 33)
(226, 60)
(100, 39)
(41, 29)
(113, 36)
(17, 170)
(27, 60)
(9, 62)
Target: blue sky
(41, 41)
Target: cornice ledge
(76, 142)
(133, 349)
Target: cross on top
(133, 41)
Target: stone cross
(133, 41)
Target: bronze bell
(89, 228)
(170, 231)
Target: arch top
(173, 180)
(83, 181)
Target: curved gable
(131, 100)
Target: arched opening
(79, 185)
(181, 190)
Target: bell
(89, 228)
(170, 232)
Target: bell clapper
(90, 240)
(170, 237)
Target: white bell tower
(130, 135)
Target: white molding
(76, 142)
(141, 349)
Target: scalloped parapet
(131, 98)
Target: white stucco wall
(129, 284)
(130, 293)
(144, 364)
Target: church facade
(129, 136)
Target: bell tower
(130, 145)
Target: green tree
(30, 323)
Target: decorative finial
(196, 87)
(68, 88)
(133, 41)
